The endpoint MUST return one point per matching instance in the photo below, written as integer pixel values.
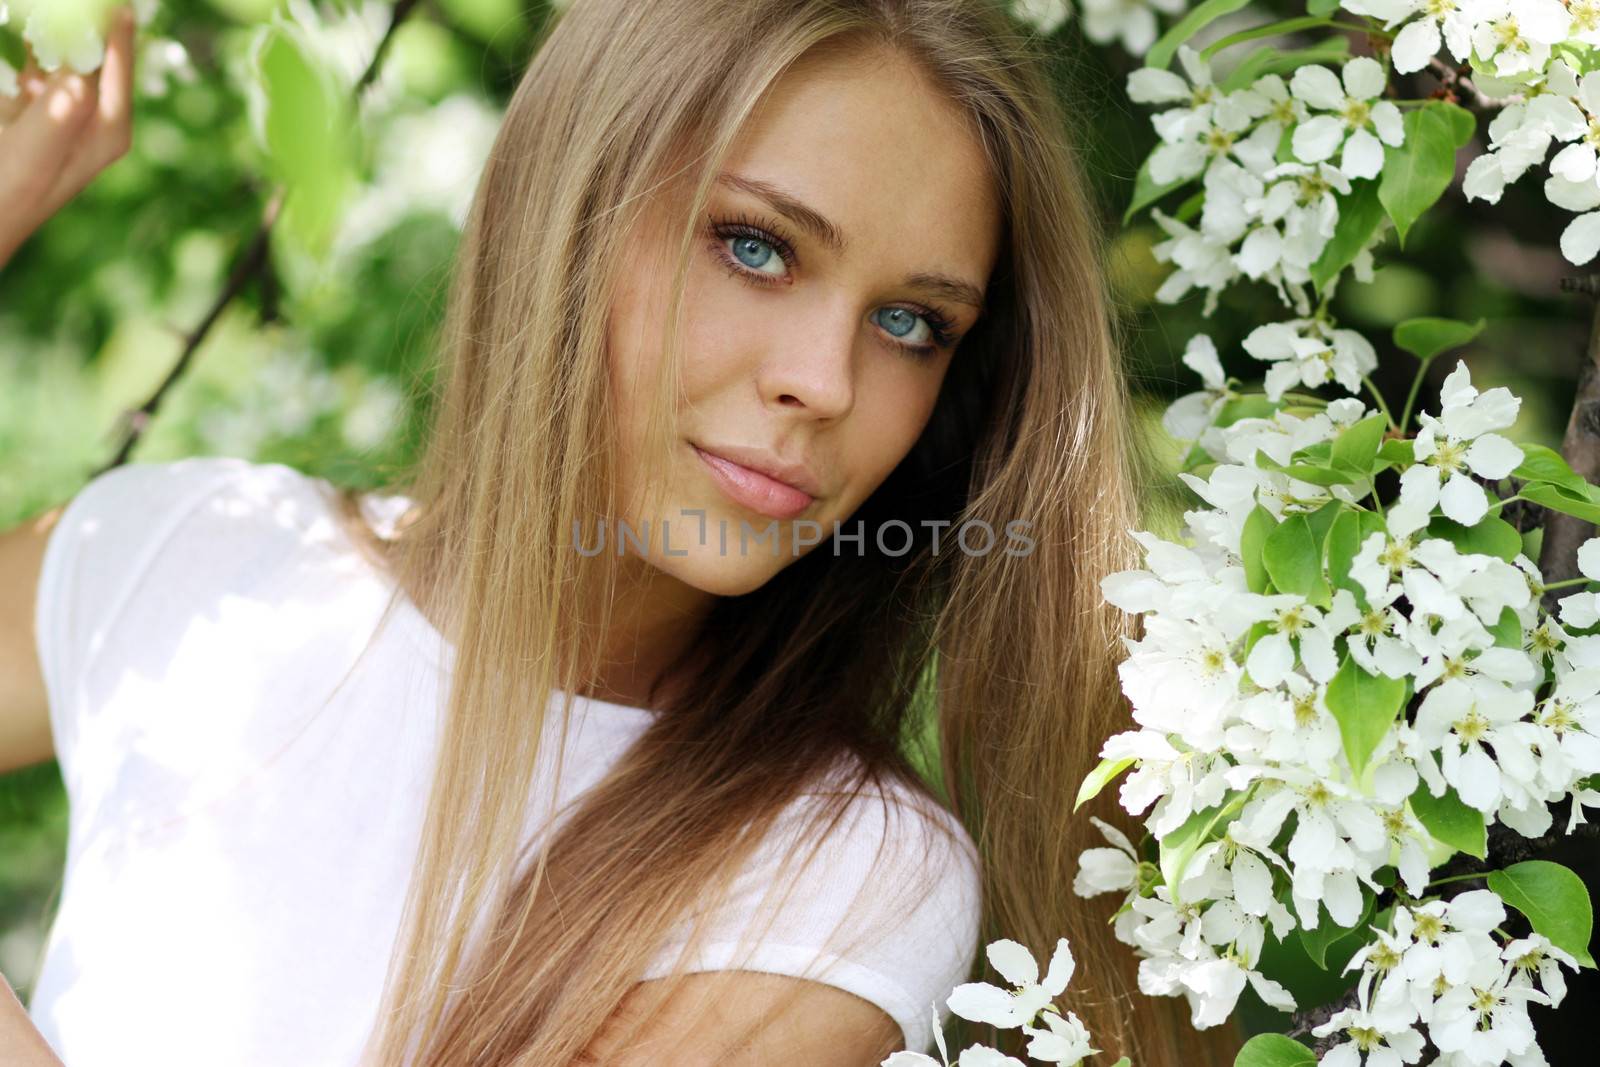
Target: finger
(36, 149)
(30, 82)
(113, 121)
(108, 134)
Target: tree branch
(251, 264)
(1558, 556)
(1458, 88)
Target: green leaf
(1418, 172)
(1360, 215)
(1463, 123)
(1104, 773)
(1179, 847)
(1365, 706)
(1541, 464)
(1451, 821)
(501, 23)
(1258, 526)
(1356, 448)
(1271, 29)
(1146, 191)
(1555, 901)
(12, 48)
(1559, 499)
(1294, 560)
(1264, 61)
(1190, 207)
(1322, 521)
(1492, 536)
(1306, 472)
(1427, 337)
(1163, 50)
(1257, 631)
(306, 126)
(1284, 153)
(1349, 530)
(1249, 406)
(1327, 933)
(1274, 1050)
(1507, 629)
(1322, 7)
(1399, 451)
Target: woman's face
(848, 239)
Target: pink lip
(755, 490)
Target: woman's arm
(21, 1044)
(25, 736)
(823, 1026)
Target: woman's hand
(21, 1045)
(61, 131)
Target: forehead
(871, 143)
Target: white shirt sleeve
(901, 934)
(96, 556)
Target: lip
(759, 482)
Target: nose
(813, 371)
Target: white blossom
(1516, 35)
(1311, 353)
(1447, 22)
(985, 1003)
(1458, 444)
(1188, 416)
(1132, 23)
(1355, 118)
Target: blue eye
(901, 321)
(754, 253)
(747, 250)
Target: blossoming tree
(1366, 694)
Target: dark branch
(251, 265)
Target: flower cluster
(1441, 970)
(1274, 158)
(1027, 1002)
(1333, 698)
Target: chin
(711, 572)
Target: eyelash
(770, 233)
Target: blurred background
(323, 359)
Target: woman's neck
(654, 621)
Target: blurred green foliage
(324, 362)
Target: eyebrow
(819, 226)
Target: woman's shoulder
(872, 887)
(148, 491)
(164, 533)
(230, 495)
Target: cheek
(892, 408)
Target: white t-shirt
(238, 857)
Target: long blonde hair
(836, 661)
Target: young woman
(782, 303)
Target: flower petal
(1014, 962)
(1492, 456)
(1315, 139)
(1463, 500)
(1318, 86)
(1417, 43)
(1363, 155)
(1363, 78)
(1580, 241)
